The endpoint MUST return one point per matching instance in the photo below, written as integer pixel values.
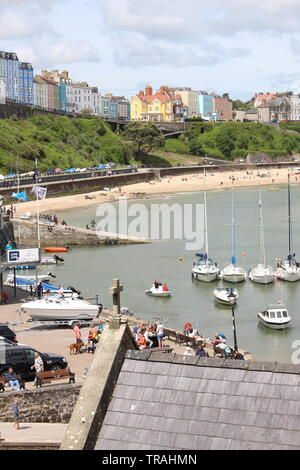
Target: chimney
(149, 90)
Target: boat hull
(158, 294)
(273, 325)
(234, 278)
(56, 250)
(289, 276)
(205, 277)
(262, 279)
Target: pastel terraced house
(162, 105)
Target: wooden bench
(49, 376)
(4, 381)
(184, 339)
(170, 333)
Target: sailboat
(204, 268)
(233, 272)
(289, 269)
(262, 273)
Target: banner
(20, 196)
(31, 255)
(39, 192)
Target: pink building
(223, 108)
(261, 99)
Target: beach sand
(167, 185)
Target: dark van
(21, 359)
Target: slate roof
(172, 402)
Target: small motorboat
(159, 290)
(275, 317)
(226, 295)
(56, 249)
(49, 260)
(59, 308)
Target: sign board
(30, 255)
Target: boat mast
(233, 224)
(205, 219)
(262, 235)
(289, 217)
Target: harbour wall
(44, 405)
(60, 235)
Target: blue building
(26, 83)
(18, 78)
(9, 72)
(63, 96)
(113, 110)
(206, 102)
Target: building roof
(172, 402)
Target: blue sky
(235, 46)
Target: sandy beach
(166, 185)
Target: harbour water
(92, 268)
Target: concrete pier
(60, 235)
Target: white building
(295, 107)
(81, 97)
(2, 91)
(190, 98)
(40, 93)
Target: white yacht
(57, 307)
(204, 269)
(226, 296)
(289, 269)
(275, 317)
(262, 273)
(233, 273)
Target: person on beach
(16, 413)
(11, 377)
(38, 366)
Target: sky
(238, 47)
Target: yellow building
(160, 106)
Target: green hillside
(58, 142)
(234, 139)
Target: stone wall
(53, 404)
(69, 236)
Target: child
(16, 413)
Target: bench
(4, 381)
(49, 376)
(181, 338)
(170, 333)
(166, 349)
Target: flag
(39, 192)
(20, 196)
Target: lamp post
(232, 300)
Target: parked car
(21, 359)
(7, 333)
(7, 342)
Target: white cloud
(14, 25)
(134, 50)
(64, 52)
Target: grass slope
(58, 142)
(234, 139)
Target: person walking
(38, 366)
(16, 413)
(160, 334)
(40, 290)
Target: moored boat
(275, 317)
(159, 290)
(226, 295)
(56, 249)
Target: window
(29, 354)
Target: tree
(225, 144)
(143, 136)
